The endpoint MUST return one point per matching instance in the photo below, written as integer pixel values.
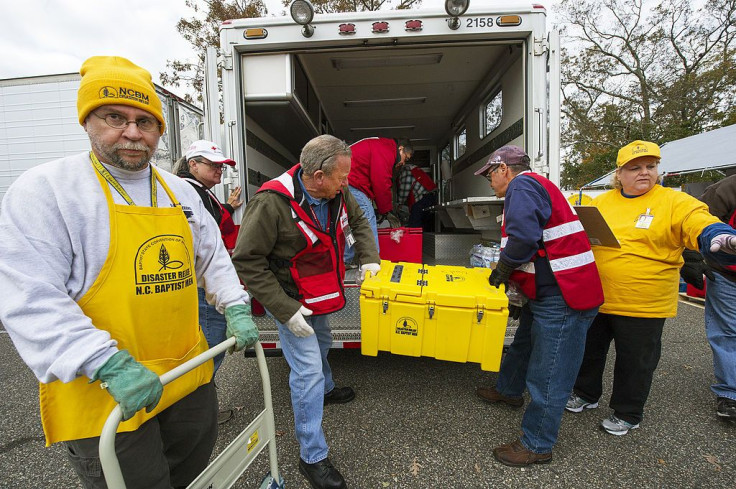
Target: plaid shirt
(407, 183)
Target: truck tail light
(380, 27)
(346, 29)
(413, 25)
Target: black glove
(514, 311)
(500, 274)
(694, 268)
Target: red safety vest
(318, 269)
(567, 248)
(421, 178)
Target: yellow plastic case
(445, 312)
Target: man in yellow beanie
(99, 265)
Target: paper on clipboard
(596, 227)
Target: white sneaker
(576, 404)
(616, 426)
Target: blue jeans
(544, 358)
(213, 325)
(310, 379)
(720, 327)
(366, 204)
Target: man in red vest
(289, 255)
(546, 254)
(418, 192)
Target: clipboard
(596, 227)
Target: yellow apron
(146, 297)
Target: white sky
(44, 37)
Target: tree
(202, 30)
(633, 70)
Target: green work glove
(132, 385)
(240, 324)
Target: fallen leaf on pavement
(713, 460)
(415, 466)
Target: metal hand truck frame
(234, 459)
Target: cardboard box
(445, 312)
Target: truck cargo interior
(356, 94)
(435, 95)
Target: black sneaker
(322, 475)
(224, 416)
(340, 395)
(726, 408)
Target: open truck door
(457, 87)
(554, 89)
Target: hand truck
(239, 454)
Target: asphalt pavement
(416, 423)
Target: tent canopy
(712, 150)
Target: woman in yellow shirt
(653, 225)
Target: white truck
(38, 123)
(459, 84)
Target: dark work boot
(322, 475)
(514, 454)
(490, 394)
(340, 395)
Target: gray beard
(111, 156)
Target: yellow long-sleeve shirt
(641, 278)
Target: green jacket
(268, 232)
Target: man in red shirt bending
(371, 175)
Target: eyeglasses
(489, 174)
(117, 121)
(214, 166)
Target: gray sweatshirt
(54, 239)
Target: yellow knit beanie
(108, 80)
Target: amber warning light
(255, 33)
(508, 20)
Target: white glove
(725, 243)
(298, 325)
(373, 268)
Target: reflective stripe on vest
(574, 261)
